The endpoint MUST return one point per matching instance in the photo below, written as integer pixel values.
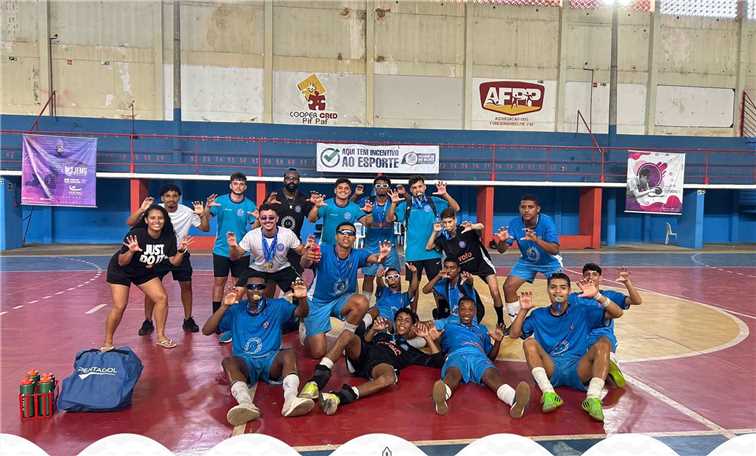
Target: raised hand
(530, 235)
(149, 201)
(199, 207)
(380, 273)
(440, 188)
(299, 287)
(231, 239)
(437, 227)
(526, 300)
(254, 213)
(503, 234)
(467, 226)
(210, 202)
(368, 207)
(384, 249)
(395, 198)
(317, 199)
(411, 267)
(359, 190)
(381, 324)
(312, 252)
(624, 275)
(230, 299)
(498, 334)
(273, 198)
(132, 243)
(422, 331)
(588, 288)
(466, 276)
(444, 273)
(401, 191)
(185, 243)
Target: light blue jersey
(420, 226)
(530, 252)
(453, 294)
(457, 337)
(334, 215)
(389, 302)
(608, 330)
(257, 336)
(335, 277)
(567, 334)
(231, 216)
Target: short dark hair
(382, 178)
(530, 197)
(451, 260)
(237, 176)
(266, 207)
(169, 188)
(559, 275)
(448, 213)
(391, 269)
(342, 180)
(409, 312)
(414, 179)
(349, 224)
(291, 170)
(591, 267)
(466, 299)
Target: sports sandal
(106, 348)
(166, 343)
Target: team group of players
(570, 342)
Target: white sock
(290, 386)
(539, 374)
(513, 308)
(241, 393)
(506, 394)
(368, 319)
(356, 391)
(326, 362)
(595, 387)
(417, 342)
(448, 391)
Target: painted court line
(95, 309)
(32, 302)
(19, 307)
(3, 313)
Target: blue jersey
(335, 277)
(566, 334)
(530, 251)
(389, 302)
(257, 335)
(334, 215)
(231, 216)
(420, 227)
(379, 229)
(460, 338)
(454, 293)
(614, 296)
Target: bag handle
(115, 350)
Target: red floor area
(181, 400)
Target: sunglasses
(256, 286)
(346, 232)
(381, 185)
(268, 218)
(392, 276)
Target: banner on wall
(513, 105)
(655, 182)
(360, 158)
(59, 171)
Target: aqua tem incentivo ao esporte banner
(360, 158)
(59, 171)
(655, 182)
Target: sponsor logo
(288, 222)
(511, 98)
(313, 93)
(85, 372)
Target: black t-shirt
(396, 351)
(292, 211)
(467, 247)
(154, 251)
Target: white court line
(3, 313)
(19, 307)
(32, 302)
(69, 289)
(46, 297)
(679, 407)
(95, 309)
(59, 293)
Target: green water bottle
(27, 398)
(45, 399)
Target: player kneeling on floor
(256, 348)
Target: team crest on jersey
(427, 208)
(240, 212)
(297, 209)
(253, 344)
(339, 287)
(347, 216)
(266, 323)
(462, 244)
(532, 254)
(288, 222)
(280, 247)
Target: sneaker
(592, 405)
(349, 366)
(521, 399)
(242, 413)
(439, 397)
(615, 375)
(297, 406)
(550, 401)
(190, 326)
(147, 328)
(225, 337)
(329, 402)
(309, 391)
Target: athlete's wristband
(604, 303)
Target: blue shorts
(566, 373)
(319, 319)
(527, 271)
(597, 334)
(391, 262)
(258, 367)
(472, 366)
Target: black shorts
(371, 356)
(479, 268)
(223, 265)
(282, 278)
(294, 258)
(181, 273)
(431, 268)
(117, 276)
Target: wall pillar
(589, 213)
(485, 211)
(611, 217)
(139, 190)
(690, 227)
(261, 192)
(11, 233)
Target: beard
(291, 187)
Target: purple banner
(59, 171)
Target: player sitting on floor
(389, 295)
(449, 286)
(256, 352)
(380, 357)
(559, 355)
(470, 356)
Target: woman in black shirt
(149, 243)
